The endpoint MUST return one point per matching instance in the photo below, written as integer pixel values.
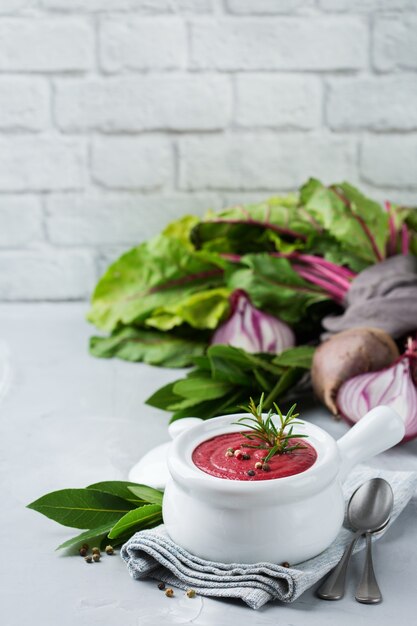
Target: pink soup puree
(210, 457)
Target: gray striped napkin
(151, 553)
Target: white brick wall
(117, 116)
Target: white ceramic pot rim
(306, 483)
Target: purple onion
(394, 386)
(253, 330)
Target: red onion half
(253, 330)
(394, 386)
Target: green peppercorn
(109, 550)
(96, 557)
(190, 593)
(95, 550)
(88, 558)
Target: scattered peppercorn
(228, 453)
(96, 557)
(88, 558)
(161, 586)
(258, 465)
(230, 450)
(95, 550)
(169, 592)
(190, 593)
(109, 550)
(285, 564)
(238, 454)
(266, 467)
(246, 457)
(83, 551)
(251, 473)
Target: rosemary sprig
(274, 439)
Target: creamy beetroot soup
(225, 456)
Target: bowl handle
(180, 426)
(380, 429)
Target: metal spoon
(369, 510)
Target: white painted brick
(41, 163)
(367, 5)
(45, 45)
(316, 43)
(378, 103)
(254, 161)
(132, 162)
(142, 43)
(390, 161)
(141, 6)
(46, 275)
(24, 104)
(118, 218)
(278, 101)
(13, 6)
(267, 7)
(144, 103)
(395, 43)
(20, 220)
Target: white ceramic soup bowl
(283, 519)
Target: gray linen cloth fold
(384, 296)
(151, 553)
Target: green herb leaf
(81, 508)
(302, 356)
(121, 489)
(145, 517)
(149, 494)
(96, 534)
(155, 348)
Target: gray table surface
(68, 420)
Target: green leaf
(359, 225)
(145, 517)
(181, 229)
(204, 309)
(144, 492)
(96, 534)
(155, 348)
(81, 508)
(273, 285)
(164, 397)
(202, 388)
(301, 356)
(152, 275)
(119, 488)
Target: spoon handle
(368, 591)
(333, 587)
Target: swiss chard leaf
(273, 285)
(81, 508)
(152, 275)
(153, 347)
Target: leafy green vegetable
(233, 375)
(152, 275)
(273, 285)
(153, 347)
